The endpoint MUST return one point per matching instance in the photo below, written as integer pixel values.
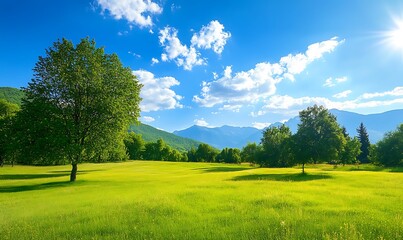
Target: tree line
(319, 139)
(81, 101)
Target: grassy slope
(12, 95)
(151, 134)
(163, 200)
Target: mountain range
(237, 137)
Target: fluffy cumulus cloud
(157, 93)
(184, 56)
(138, 12)
(259, 83)
(211, 36)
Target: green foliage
(351, 151)
(365, 144)
(319, 137)
(7, 113)
(250, 153)
(135, 146)
(389, 151)
(205, 153)
(165, 200)
(276, 143)
(80, 104)
(229, 155)
(12, 95)
(151, 134)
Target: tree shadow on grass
(78, 172)
(31, 176)
(290, 177)
(223, 169)
(41, 186)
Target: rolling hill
(12, 95)
(151, 134)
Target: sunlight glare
(394, 37)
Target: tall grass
(163, 200)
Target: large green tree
(79, 105)
(365, 144)
(319, 136)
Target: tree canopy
(80, 104)
(319, 136)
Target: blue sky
(214, 63)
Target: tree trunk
(303, 168)
(73, 174)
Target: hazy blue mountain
(226, 136)
(221, 137)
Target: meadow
(166, 200)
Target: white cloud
(285, 102)
(397, 91)
(330, 82)
(243, 87)
(201, 122)
(215, 75)
(295, 64)
(211, 36)
(232, 108)
(148, 119)
(342, 94)
(157, 93)
(261, 125)
(260, 82)
(174, 50)
(154, 61)
(138, 12)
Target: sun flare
(394, 37)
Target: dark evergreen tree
(365, 144)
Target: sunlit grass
(163, 200)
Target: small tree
(206, 153)
(79, 105)
(390, 148)
(250, 152)
(229, 155)
(276, 142)
(7, 113)
(365, 144)
(351, 151)
(134, 145)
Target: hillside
(12, 95)
(151, 134)
(221, 137)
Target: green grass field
(164, 200)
